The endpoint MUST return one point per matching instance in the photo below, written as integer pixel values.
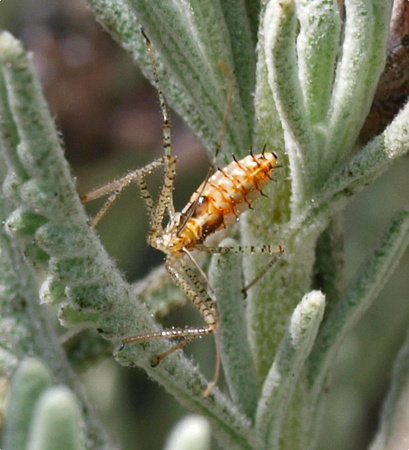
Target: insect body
(217, 203)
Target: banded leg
(117, 186)
(146, 197)
(267, 249)
(249, 249)
(261, 274)
(200, 299)
(150, 205)
(175, 333)
(207, 307)
(195, 291)
(165, 201)
(204, 304)
(197, 294)
(162, 102)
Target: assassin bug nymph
(220, 199)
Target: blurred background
(110, 123)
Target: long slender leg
(101, 213)
(261, 274)
(162, 102)
(165, 201)
(165, 197)
(200, 299)
(122, 182)
(197, 265)
(195, 291)
(117, 186)
(223, 128)
(207, 307)
(174, 333)
(267, 249)
(182, 344)
(263, 249)
(204, 304)
(156, 213)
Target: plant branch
(371, 162)
(357, 298)
(225, 276)
(392, 433)
(281, 60)
(282, 378)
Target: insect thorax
(172, 241)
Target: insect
(220, 199)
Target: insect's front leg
(116, 187)
(165, 200)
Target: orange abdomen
(227, 193)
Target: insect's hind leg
(198, 295)
(155, 362)
(188, 334)
(205, 304)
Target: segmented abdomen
(227, 193)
